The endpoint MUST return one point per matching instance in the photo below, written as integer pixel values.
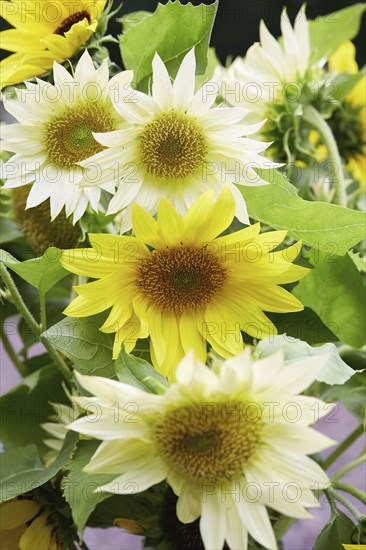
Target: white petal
(213, 521)
(162, 90)
(138, 480)
(255, 518)
(183, 87)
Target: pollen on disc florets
(180, 278)
(69, 137)
(209, 441)
(173, 146)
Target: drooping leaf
(328, 32)
(139, 373)
(335, 291)
(345, 82)
(352, 394)
(22, 470)
(335, 371)
(330, 228)
(43, 272)
(89, 349)
(172, 30)
(81, 488)
(304, 325)
(335, 533)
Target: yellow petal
(16, 512)
(170, 224)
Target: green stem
(330, 497)
(342, 447)
(18, 301)
(11, 353)
(348, 505)
(357, 493)
(315, 120)
(43, 312)
(343, 471)
(32, 323)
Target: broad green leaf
(139, 373)
(43, 272)
(172, 30)
(80, 488)
(328, 32)
(304, 325)
(131, 19)
(327, 227)
(335, 371)
(21, 469)
(352, 394)
(335, 291)
(335, 533)
(26, 406)
(89, 349)
(9, 231)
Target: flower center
(348, 127)
(69, 137)
(180, 278)
(209, 441)
(71, 20)
(173, 146)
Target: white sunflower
(271, 70)
(229, 441)
(55, 131)
(177, 145)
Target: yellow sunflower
(44, 32)
(24, 528)
(176, 282)
(344, 60)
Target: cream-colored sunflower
(180, 283)
(177, 145)
(44, 32)
(229, 441)
(55, 131)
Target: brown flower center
(71, 20)
(180, 278)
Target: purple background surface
(300, 536)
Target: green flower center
(69, 137)
(209, 441)
(172, 146)
(180, 278)
(348, 129)
(70, 21)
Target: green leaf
(304, 325)
(327, 227)
(26, 406)
(131, 19)
(43, 272)
(328, 32)
(335, 291)
(352, 394)
(335, 533)
(80, 487)
(139, 373)
(21, 469)
(89, 349)
(172, 30)
(335, 371)
(9, 231)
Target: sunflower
(224, 440)
(189, 287)
(177, 145)
(55, 132)
(24, 527)
(348, 123)
(44, 32)
(269, 69)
